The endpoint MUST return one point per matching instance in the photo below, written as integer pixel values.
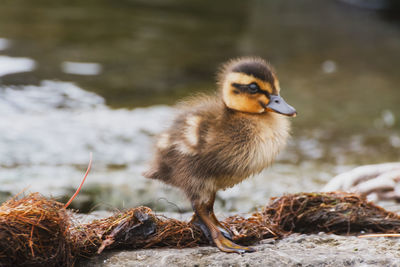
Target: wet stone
(295, 250)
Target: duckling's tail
(159, 172)
(152, 174)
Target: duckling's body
(217, 141)
(211, 147)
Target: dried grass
(37, 231)
(34, 232)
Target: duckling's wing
(187, 139)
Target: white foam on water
(48, 131)
(81, 68)
(57, 123)
(9, 65)
(4, 44)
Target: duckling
(217, 141)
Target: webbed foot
(219, 235)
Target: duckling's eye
(253, 88)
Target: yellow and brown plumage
(217, 141)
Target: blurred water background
(101, 76)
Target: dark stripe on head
(244, 89)
(256, 69)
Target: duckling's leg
(209, 206)
(209, 224)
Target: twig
(379, 235)
(83, 180)
(31, 242)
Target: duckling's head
(250, 85)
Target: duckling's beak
(278, 104)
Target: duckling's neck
(234, 112)
(262, 125)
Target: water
(101, 75)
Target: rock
(377, 181)
(295, 250)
